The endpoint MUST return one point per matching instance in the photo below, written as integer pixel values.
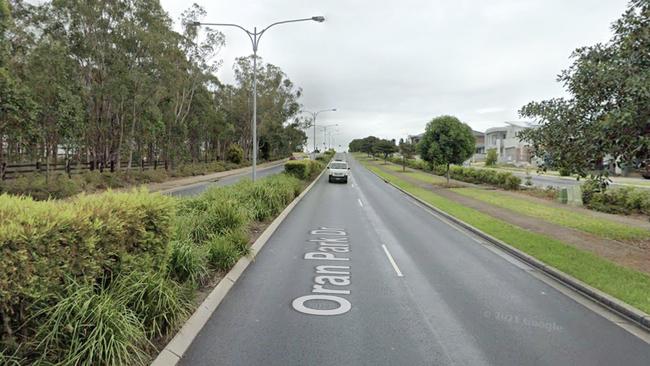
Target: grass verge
(574, 220)
(628, 285)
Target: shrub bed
(59, 185)
(503, 180)
(624, 200)
(95, 279)
(303, 169)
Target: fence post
(38, 166)
(142, 164)
(166, 165)
(92, 165)
(155, 164)
(67, 167)
(3, 170)
(112, 166)
(101, 166)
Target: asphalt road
(418, 292)
(198, 188)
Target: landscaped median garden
(629, 285)
(106, 279)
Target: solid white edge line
(392, 261)
(360, 203)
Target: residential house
(510, 149)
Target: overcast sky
(391, 66)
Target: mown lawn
(632, 287)
(560, 216)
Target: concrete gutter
(635, 315)
(174, 350)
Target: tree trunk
(447, 173)
(403, 164)
(131, 138)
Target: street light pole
(313, 118)
(325, 133)
(255, 40)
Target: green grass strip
(632, 287)
(563, 217)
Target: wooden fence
(69, 167)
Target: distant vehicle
(338, 171)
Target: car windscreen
(338, 166)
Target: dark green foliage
(235, 154)
(187, 262)
(625, 200)
(407, 150)
(505, 180)
(223, 253)
(446, 141)
(385, 147)
(607, 112)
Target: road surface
(401, 287)
(543, 181)
(199, 188)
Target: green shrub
(41, 188)
(267, 197)
(491, 158)
(214, 212)
(504, 180)
(624, 200)
(222, 253)
(564, 172)
(89, 327)
(187, 262)
(235, 154)
(512, 182)
(157, 301)
(303, 169)
(41, 243)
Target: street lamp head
(333, 109)
(319, 19)
(195, 24)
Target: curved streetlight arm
(259, 35)
(251, 35)
(255, 35)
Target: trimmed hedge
(624, 200)
(303, 169)
(505, 180)
(44, 243)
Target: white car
(338, 171)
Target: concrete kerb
(635, 315)
(174, 350)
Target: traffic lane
(471, 292)
(199, 188)
(257, 324)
